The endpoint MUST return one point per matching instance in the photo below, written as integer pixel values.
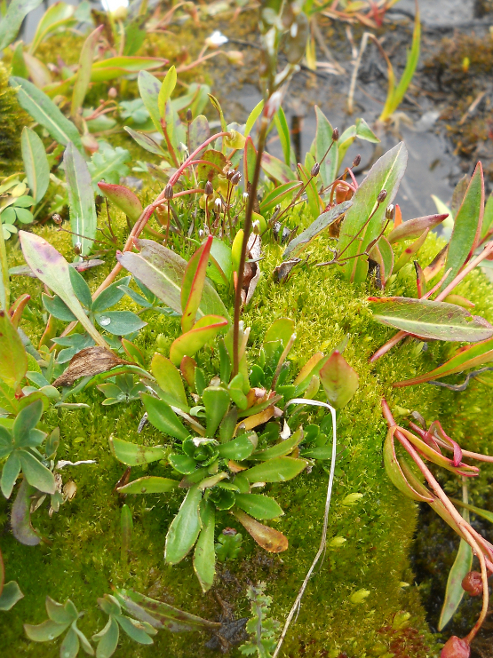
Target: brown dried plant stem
(463, 525)
(247, 228)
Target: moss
(12, 120)
(82, 558)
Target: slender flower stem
(247, 228)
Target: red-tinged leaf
(436, 265)
(162, 271)
(413, 228)
(383, 254)
(123, 198)
(21, 517)
(17, 309)
(309, 369)
(396, 474)
(358, 231)
(83, 217)
(277, 195)
(467, 226)
(83, 76)
(467, 357)
(397, 216)
(187, 369)
(420, 280)
(13, 358)
(339, 380)
(203, 331)
(276, 169)
(249, 158)
(429, 319)
(193, 284)
(269, 539)
(487, 225)
(411, 251)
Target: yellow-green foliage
(12, 120)
(81, 557)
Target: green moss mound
(81, 558)
(12, 120)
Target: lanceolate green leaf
(53, 270)
(276, 470)
(83, 218)
(184, 528)
(162, 271)
(429, 319)
(167, 88)
(170, 381)
(204, 330)
(193, 284)
(149, 484)
(44, 111)
(259, 506)
(358, 230)
(323, 139)
(149, 88)
(467, 226)
(36, 164)
(83, 77)
(204, 558)
(10, 24)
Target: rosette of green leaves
(61, 618)
(19, 448)
(122, 389)
(107, 638)
(118, 323)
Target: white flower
(215, 40)
(113, 5)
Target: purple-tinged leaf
(269, 539)
(83, 76)
(52, 269)
(199, 132)
(146, 141)
(83, 217)
(358, 231)
(149, 88)
(429, 319)
(413, 228)
(339, 380)
(276, 169)
(467, 226)
(123, 198)
(193, 284)
(204, 330)
(21, 517)
(13, 358)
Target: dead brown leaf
(89, 362)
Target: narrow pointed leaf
(193, 284)
(163, 417)
(277, 195)
(279, 469)
(167, 88)
(11, 22)
(269, 539)
(53, 270)
(83, 218)
(339, 380)
(149, 88)
(149, 485)
(429, 319)
(35, 163)
(44, 111)
(475, 510)
(123, 198)
(276, 169)
(358, 230)
(10, 473)
(132, 454)
(281, 449)
(203, 332)
(396, 474)
(454, 592)
(383, 254)
(83, 77)
(413, 228)
(185, 527)
(323, 139)
(204, 559)
(13, 358)
(467, 226)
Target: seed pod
(357, 160)
(189, 115)
(341, 191)
(218, 203)
(382, 196)
(335, 134)
(230, 174)
(56, 218)
(390, 212)
(235, 178)
(112, 92)
(78, 248)
(168, 191)
(473, 583)
(209, 190)
(455, 648)
(315, 169)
